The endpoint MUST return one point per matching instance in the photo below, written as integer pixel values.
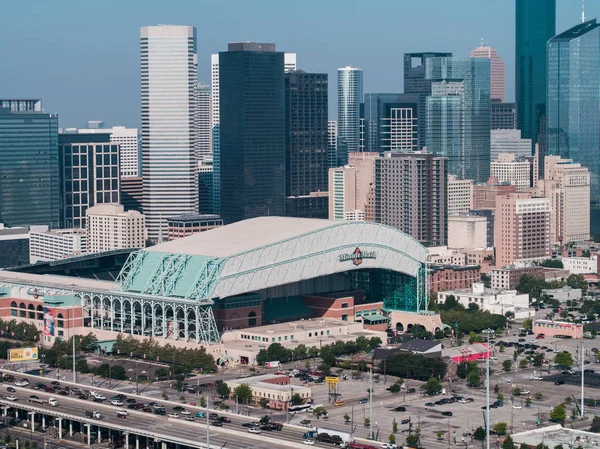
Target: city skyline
(49, 45)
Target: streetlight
(487, 388)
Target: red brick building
(452, 277)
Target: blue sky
(82, 56)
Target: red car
(539, 336)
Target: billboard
(48, 322)
(22, 354)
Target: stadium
(251, 273)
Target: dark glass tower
(29, 180)
(252, 131)
(573, 109)
(535, 24)
(416, 83)
(306, 144)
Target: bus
(299, 408)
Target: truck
(272, 364)
(94, 414)
(52, 402)
(325, 435)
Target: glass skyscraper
(573, 109)
(252, 131)
(29, 174)
(169, 79)
(535, 24)
(458, 115)
(350, 96)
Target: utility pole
(352, 425)
(487, 391)
(371, 403)
(582, 380)
(207, 426)
(73, 332)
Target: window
(278, 338)
(345, 317)
(344, 305)
(358, 313)
(310, 334)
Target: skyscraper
(306, 143)
(332, 142)
(535, 24)
(29, 181)
(350, 96)
(289, 62)
(169, 71)
(458, 115)
(573, 110)
(415, 82)
(215, 118)
(203, 145)
(252, 131)
(497, 70)
(503, 115)
(391, 121)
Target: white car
(12, 398)
(117, 403)
(535, 378)
(22, 383)
(254, 430)
(493, 357)
(508, 380)
(123, 412)
(517, 406)
(462, 401)
(185, 412)
(388, 446)
(97, 395)
(525, 392)
(309, 442)
(173, 415)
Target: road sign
(332, 380)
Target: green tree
(595, 427)
(300, 352)
(319, 411)
(542, 446)
(507, 365)
(452, 304)
(508, 443)
(276, 352)
(412, 440)
(538, 359)
(539, 396)
(578, 281)
(473, 307)
(564, 358)
(473, 379)
(523, 363)
(262, 357)
(500, 397)
(500, 428)
(474, 338)
(243, 393)
(414, 366)
(82, 366)
(394, 388)
(479, 434)
(558, 446)
(395, 426)
(432, 386)
(222, 389)
(552, 263)
(346, 418)
(202, 401)
(392, 438)
(264, 402)
(297, 399)
(558, 414)
(496, 388)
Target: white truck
(52, 402)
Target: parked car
(447, 413)
(253, 430)
(363, 400)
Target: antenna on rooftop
(582, 11)
(482, 42)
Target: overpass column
(99, 439)
(89, 435)
(44, 423)
(164, 445)
(70, 427)
(32, 422)
(137, 442)
(126, 440)
(60, 428)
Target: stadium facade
(239, 273)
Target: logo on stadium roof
(357, 256)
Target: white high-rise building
(169, 69)
(350, 96)
(126, 138)
(45, 245)
(497, 71)
(460, 195)
(110, 227)
(203, 139)
(214, 124)
(509, 168)
(508, 141)
(289, 62)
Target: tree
(474, 338)
(412, 440)
(222, 389)
(395, 426)
(500, 428)
(508, 443)
(552, 263)
(82, 366)
(202, 401)
(558, 414)
(517, 391)
(346, 418)
(392, 438)
(507, 365)
(300, 352)
(414, 366)
(319, 411)
(479, 434)
(523, 363)
(473, 379)
(451, 304)
(277, 352)
(264, 402)
(297, 399)
(262, 357)
(539, 396)
(473, 307)
(564, 358)
(394, 388)
(558, 446)
(577, 281)
(595, 424)
(500, 397)
(496, 388)
(538, 359)
(464, 368)
(432, 386)
(243, 393)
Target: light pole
(371, 403)
(73, 336)
(487, 389)
(582, 381)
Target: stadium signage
(357, 256)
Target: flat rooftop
(285, 328)
(55, 281)
(552, 436)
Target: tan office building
(110, 227)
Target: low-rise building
(445, 256)
(493, 300)
(275, 388)
(563, 294)
(508, 278)
(581, 265)
(14, 245)
(452, 277)
(188, 224)
(56, 244)
(552, 328)
(556, 436)
(467, 231)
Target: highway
(193, 434)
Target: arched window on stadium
(60, 318)
(40, 312)
(22, 310)
(13, 308)
(31, 312)
(252, 319)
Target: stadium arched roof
(266, 252)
